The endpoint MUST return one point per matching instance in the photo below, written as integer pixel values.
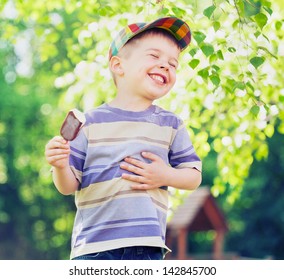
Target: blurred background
(230, 94)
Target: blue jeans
(128, 253)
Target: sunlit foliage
(54, 56)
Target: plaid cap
(177, 27)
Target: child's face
(149, 65)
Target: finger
(57, 143)
(132, 168)
(150, 156)
(135, 162)
(59, 138)
(142, 187)
(55, 152)
(57, 157)
(55, 160)
(62, 144)
(133, 178)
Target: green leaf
(140, 9)
(103, 11)
(212, 58)
(215, 68)
(261, 20)
(164, 11)
(240, 85)
(232, 49)
(209, 11)
(179, 12)
(241, 7)
(257, 61)
(241, 76)
(215, 80)
(278, 25)
(281, 128)
(261, 152)
(255, 110)
(207, 49)
(257, 33)
(216, 25)
(220, 55)
(192, 52)
(193, 63)
(199, 37)
(204, 73)
(269, 130)
(249, 74)
(231, 84)
(250, 86)
(235, 24)
(268, 9)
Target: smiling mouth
(158, 78)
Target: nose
(164, 65)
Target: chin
(155, 97)
(154, 94)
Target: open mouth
(161, 79)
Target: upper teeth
(158, 78)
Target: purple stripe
(182, 152)
(106, 114)
(120, 222)
(107, 156)
(78, 163)
(99, 166)
(102, 175)
(191, 158)
(120, 232)
(77, 151)
(120, 208)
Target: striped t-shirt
(110, 214)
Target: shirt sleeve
(78, 155)
(182, 153)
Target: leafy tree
(257, 227)
(54, 57)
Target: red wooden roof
(199, 212)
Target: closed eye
(154, 55)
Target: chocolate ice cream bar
(72, 124)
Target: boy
(129, 151)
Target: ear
(116, 66)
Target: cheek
(173, 77)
